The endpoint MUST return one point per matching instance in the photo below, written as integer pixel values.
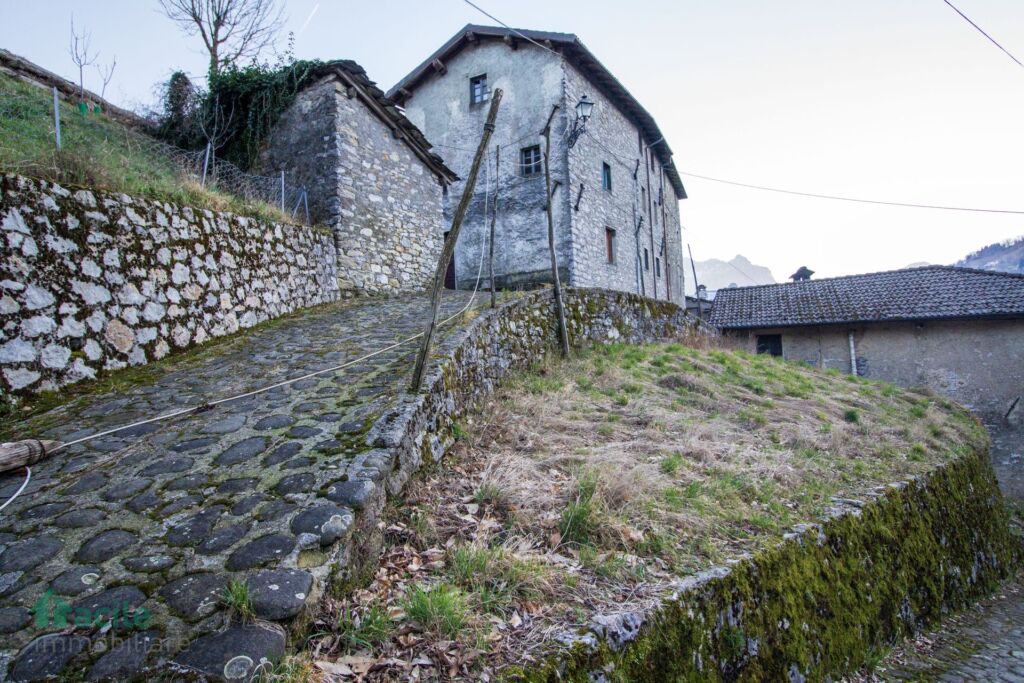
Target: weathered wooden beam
(511, 42)
(470, 37)
(563, 332)
(439, 67)
(449, 245)
(494, 219)
(406, 94)
(23, 453)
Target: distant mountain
(716, 274)
(1006, 257)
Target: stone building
(615, 192)
(958, 331)
(370, 175)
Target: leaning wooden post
(494, 218)
(563, 333)
(449, 245)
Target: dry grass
(593, 484)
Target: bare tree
(215, 123)
(79, 49)
(106, 73)
(230, 29)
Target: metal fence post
(282, 191)
(56, 117)
(206, 163)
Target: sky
(896, 100)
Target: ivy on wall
(245, 103)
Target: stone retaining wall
(93, 281)
(821, 602)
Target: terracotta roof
(583, 59)
(385, 108)
(930, 292)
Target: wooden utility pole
(494, 218)
(696, 286)
(563, 333)
(449, 245)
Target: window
(770, 344)
(606, 177)
(609, 244)
(657, 267)
(647, 263)
(478, 91)
(530, 161)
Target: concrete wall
(531, 81)
(614, 139)
(93, 281)
(382, 202)
(977, 363)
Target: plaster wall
(531, 81)
(978, 363)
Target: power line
(518, 33)
(982, 32)
(852, 199)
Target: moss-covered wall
(816, 605)
(93, 281)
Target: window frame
(610, 246)
(478, 95)
(606, 176)
(535, 166)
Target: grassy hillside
(590, 486)
(97, 152)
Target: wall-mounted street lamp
(583, 109)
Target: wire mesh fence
(54, 139)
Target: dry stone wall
(93, 281)
(821, 602)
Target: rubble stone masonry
(382, 202)
(93, 281)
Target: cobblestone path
(985, 643)
(145, 521)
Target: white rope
(28, 475)
(207, 406)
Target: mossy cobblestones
(266, 489)
(281, 490)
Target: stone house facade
(957, 331)
(615, 193)
(370, 176)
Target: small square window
(478, 91)
(609, 244)
(606, 176)
(530, 161)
